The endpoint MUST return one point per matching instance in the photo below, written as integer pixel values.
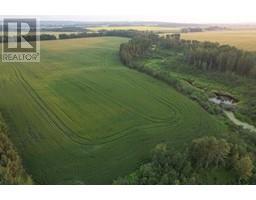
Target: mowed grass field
(243, 39)
(80, 116)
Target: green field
(80, 116)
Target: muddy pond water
(229, 101)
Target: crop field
(80, 116)
(243, 39)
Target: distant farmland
(244, 39)
(80, 116)
(139, 28)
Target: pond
(219, 101)
(228, 101)
(223, 99)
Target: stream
(226, 101)
(236, 121)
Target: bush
(202, 156)
(11, 169)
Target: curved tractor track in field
(47, 112)
(104, 95)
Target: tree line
(104, 33)
(11, 169)
(4, 39)
(202, 156)
(211, 56)
(222, 58)
(85, 34)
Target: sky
(185, 11)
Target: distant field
(140, 28)
(46, 32)
(244, 39)
(56, 33)
(80, 116)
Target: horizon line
(99, 19)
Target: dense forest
(204, 55)
(11, 169)
(223, 58)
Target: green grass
(79, 116)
